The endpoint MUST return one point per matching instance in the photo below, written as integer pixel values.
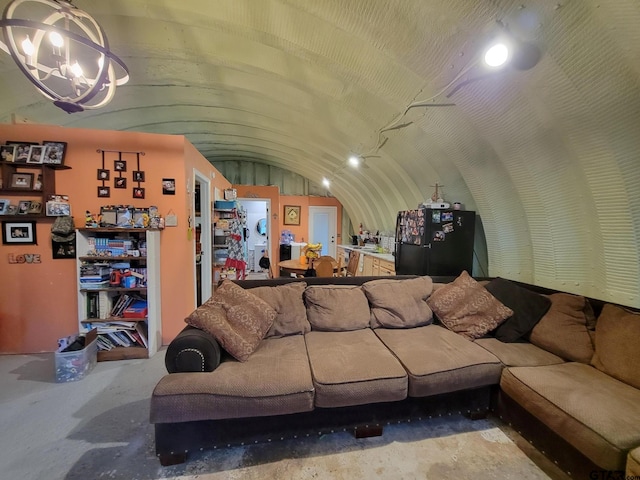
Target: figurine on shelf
(91, 220)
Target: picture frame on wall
(138, 192)
(23, 207)
(104, 192)
(138, 176)
(104, 174)
(120, 182)
(19, 233)
(54, 155)
(4, 205)
(168, 186)
(35, 207)
(120, 165)
(291, 215)
(21, 180)
(58, 209)
(36, 154)
(8, 153)
(22, 151)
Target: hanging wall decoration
(103, 176)
(138, 176)
(119, 180)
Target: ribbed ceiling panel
(548, 156)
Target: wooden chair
(352, 266)
(340, 271)
(323, 267)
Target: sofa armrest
(193, 350)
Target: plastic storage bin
(73, 366)
(224, 204)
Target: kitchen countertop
(382, 256)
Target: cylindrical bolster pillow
(193, 350)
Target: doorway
(258, 231)
(323, 228)
(201, 214)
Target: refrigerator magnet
(447, 227)
(438, 236)
(435, 217)
(447, 217)
(459, 220)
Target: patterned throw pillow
(467, 308)
(236, 318)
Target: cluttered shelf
(97, 258)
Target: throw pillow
(236, 318)
(399, 303)
(528, 308)
(467, 308)
(618, 344)
(566, 328)
(287, 301)
(336, 308)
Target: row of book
(102, 305)
(121, 334)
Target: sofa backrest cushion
(567, 328)
(336, 308)
(236, 318)
(466, 307)
(528, 308)
(399, 303)
(618, 344)
(287, 301)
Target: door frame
(268, 217)
(206, 244)
(333, 215)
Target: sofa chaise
(278, 358)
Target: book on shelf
(136, 309)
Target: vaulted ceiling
(549, 156)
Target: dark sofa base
(545, 440)
(175, 440)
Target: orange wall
(301, 231)
(38, 303)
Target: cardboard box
(73, 366)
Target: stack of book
(94, 275)
(116, 334)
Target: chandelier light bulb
(56, 39)
(326, 182)
(27, 47)
(76, 69)
(354, 161)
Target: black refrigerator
(434, 242)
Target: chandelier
(63, 51)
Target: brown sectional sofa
(358, 352)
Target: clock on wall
(291, 215)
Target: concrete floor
(98, 428)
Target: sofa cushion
(275, 380)
(518, 354)
(528, 308)
(235, 317)
(336, 308)
(399, 303)
(597, 414)
(440, 361)
(353, 368)
(618, 344)
(633, 464)
(287, 301)
(567, 327)
(467, 308)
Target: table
(294, 266)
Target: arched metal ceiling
(549, 157)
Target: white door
(202, 271)
(323, 225)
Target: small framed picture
(54, 155)
(36, 153)
(120, 165)
(138, 192)
(21, 180)
(168, 186)
(23, 233)
(4, 205)
(12, 210)
(104, 174)
(8, 153)
(120, 182)
(58, 209)
(23, 207)
(291, 215)
(107, 216)
(104, 192)
(22, 152)
(138, 176)
(35, 207)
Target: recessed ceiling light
(326, 182)
(354, 161)
(497, 55)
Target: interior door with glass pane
(323, 228)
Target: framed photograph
(168, 186)
(291, 215)
(12, 210)
(104, 192)
(58, 209)
(120, 165)
(22, 152)
(36, 153)
(107, 216)
(22, 180)
(104, 174)
(8, 153)
(138, 192)
(23, 207)
(4, 205)
(35, 207)
(19, 233)
(138, 176)
(120, 182)
(54, 155)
